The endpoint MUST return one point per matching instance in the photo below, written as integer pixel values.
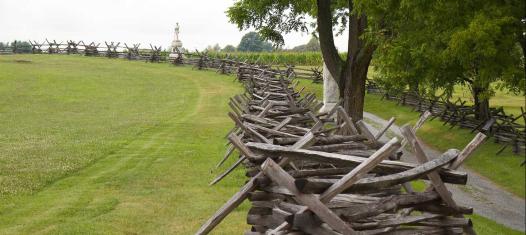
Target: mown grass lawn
(100, 146)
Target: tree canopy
(273, 19)
(445, 43)
(253, 42)
(423, 45)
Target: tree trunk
(481, 103)
(351, 73)
(352, 91)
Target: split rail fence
(507, 129)
(324, 173)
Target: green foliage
(440, 44)
(22, 46)
(253, 42)
(272, 19)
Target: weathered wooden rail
(323, 173)
(504, 128)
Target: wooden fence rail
(323, 173)
(504, 128)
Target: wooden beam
(348, 121)
(365, 131)
(468, 150)
(280, 176)
(387, 126)
(230, 169)
(419, 172)
(349, 179)
(229, 151)
(282, 123)
(421, 157)
(250, 186)
(384, 167)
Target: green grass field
(101, 146)
(111, 147)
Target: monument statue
(177, 45)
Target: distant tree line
(253, 42)
(21, 46)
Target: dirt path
(486, 198)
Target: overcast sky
(202, 22)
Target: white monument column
(331, 92)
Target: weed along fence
(323, 173)
(505, 128)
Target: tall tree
(253, 42)
(445, 43)
(274, 18)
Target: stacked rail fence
(324, 173)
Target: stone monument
(331, 92)
(177, 45)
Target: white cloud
(203, 22)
